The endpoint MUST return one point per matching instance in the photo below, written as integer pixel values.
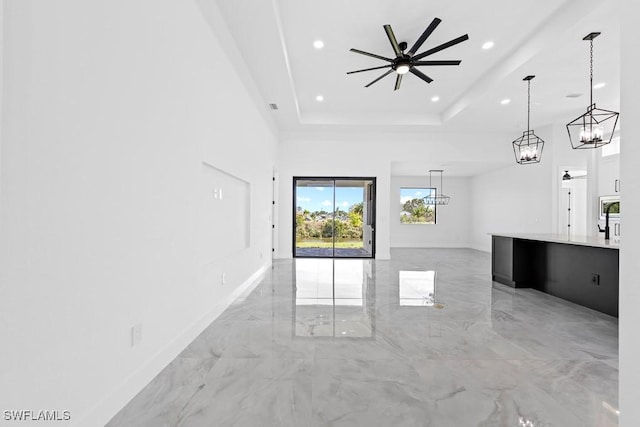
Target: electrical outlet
(595, 279)
(136, 334)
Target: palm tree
(357, 208)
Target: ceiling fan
(407, 62)
(568, 177)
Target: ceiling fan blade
(380, 78)
(420, 74)
(368, 69)
(362, 52)
(437, 62)
(442, 46)
(398, 81)
(424, 36)
(392, 39)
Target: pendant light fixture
(594, 128)
(434, 198)
(528, 148)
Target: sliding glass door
(334, 217)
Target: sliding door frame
(371, 215)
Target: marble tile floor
(423, 339)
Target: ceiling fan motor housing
(402, 64)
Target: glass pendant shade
(594, 128)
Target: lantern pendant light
(528, 147)
(594, 128)
(434, 198)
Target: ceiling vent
(273, 106)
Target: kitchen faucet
(606, 224)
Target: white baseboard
(480, 248)
(447, 246)
(109, 406)
(432, 246)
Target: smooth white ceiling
(541, 37)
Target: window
(413, 209)
(612, 203)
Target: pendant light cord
(591, 75)
(528, 107)
(430, 186)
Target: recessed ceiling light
(435, 99)
(599, 85)
(487, 45)
(505, 101)
(318, 44)
(319, 98)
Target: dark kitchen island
(583, 270)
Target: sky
(316, 199)
(413, 193)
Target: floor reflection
(417, 288)
(333, 298)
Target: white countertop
(596, 242)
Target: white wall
(109, 110)
(515, 199)
(329, 158)
(629, 390)
(453, 221)
(608, 173)
(526, 198)
(1, 95)
(369, 155)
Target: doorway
(572, 206)
(334, 217)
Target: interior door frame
(372, 216)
